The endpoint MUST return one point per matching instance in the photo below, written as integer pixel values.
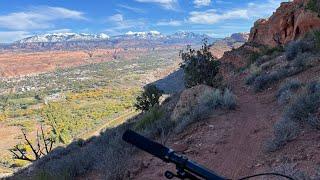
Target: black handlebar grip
(145, 144)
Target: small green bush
(303, 107)
(314, 5)
(253, 58)
(149, 117)
(313, 87)
(316, 35)
(265, 80)
(285, 130)
(251, 78)
(200, 67)
(292, 84)
(295, 48)
(213, 99)
(265, 55)
(216, 99)
(285, 97)
(314, 121)
(302, 111)
(149, 98)
(229, 99)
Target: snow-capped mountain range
(73, 37)
(70, 41)
(64, 37)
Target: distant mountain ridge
(236, 40)
(69, 41)
(62, 37)
(73, 37)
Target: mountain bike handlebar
(186, 169)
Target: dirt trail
(230, 144)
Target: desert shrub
(314, 121)
(314, 5)
(253, 58)
(252, 77)
(291, 170)
(288, 86)
(285, 130)
(264, 55)
(313, 87)
(148, 98)
(200, 67)
(285, 97)
(149, 117)
(303, 107)
(273, 50)
(213, 99)
(302, 111)
(216, 99)
(265, 80)
(195, 114)
(229, 99)
(209, 101)
(301, 61)
(295, 48)
(316, 35)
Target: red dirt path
(232, 144)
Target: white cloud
(169, 23)
(263, 10)
(59, 31)
(251, 11)
(10, 36)
(212, 16)
(130, 8)
(116, 18)
(167, 4)
(199, 3)
(40, 17)
(118, 23)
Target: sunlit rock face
(291, 21)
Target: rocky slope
(291, 21)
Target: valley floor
(232, 143)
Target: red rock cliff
(290, 22)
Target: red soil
(14, 64)
(232, 144)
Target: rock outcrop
(291, 21)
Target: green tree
(61, 121)
(148, 98)
(200, 67)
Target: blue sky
(217, 18)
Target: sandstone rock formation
(291, 21)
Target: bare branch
(37, 149)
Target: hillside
(254, 110)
